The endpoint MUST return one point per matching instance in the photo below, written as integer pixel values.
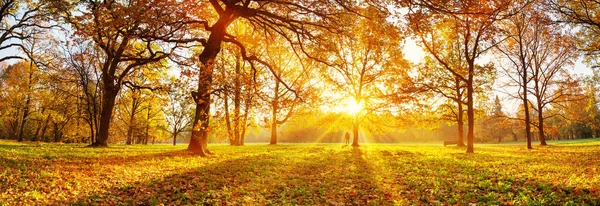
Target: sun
(342, 104)
(353, 107)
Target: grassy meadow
(564, 173)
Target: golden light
(412, 51)
(353, 107)
(341, 103)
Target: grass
(300, 174)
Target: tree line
(140, 71)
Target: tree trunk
(57, 133)
(27, 102)
(199, 137)
(130, 126)
(95, 122)
(459, 115)
(175, 133)
(540, 117)
(273, 133)
(108, 103)
(14, 125)
(45, 127)
(460, 125)
(232, 138)
(470, 112)
(21, 126)
(147, 125)
(526, 109)
(146, 136)
(36, 135)
(237, 91)
(129, 140)
(199, 141)
(355, 131)
(275, 107)
(248, 104)
(92, 133)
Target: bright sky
(415, 54)
(10, 51)
(412, 51)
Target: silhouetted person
(347, 137)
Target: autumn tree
(592, 105)
(33, 104)
(515, 49)
(153, 125)
(300, 23)
(235, 88)
(45, 105)
(19, 81)
(435, 76)
(574, 111)
(583, 15)
(178, 112)
(365, 61)
(552, 51)
(538, 52)
(63, 108)
(128, 110)
(473, 24)
(17, 16)
(79, 66)
(130, 35)
(493, 124)
(436, 79)
(284, 103)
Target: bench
(450, 142)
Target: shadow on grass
(488, 179)
(347, 176)
(69, 160)
(309, 176)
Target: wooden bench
(450, 142)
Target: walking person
(347, 137)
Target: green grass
(301, 174)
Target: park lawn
(305, 174)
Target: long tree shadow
(82, 161)
(325, 175)
(328, 176)
(310, 176)
(53, 172)
(36, 154)
(210, 184)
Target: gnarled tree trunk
(199, 139)
(108, 103)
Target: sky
(415, 54)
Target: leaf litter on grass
(300, 174)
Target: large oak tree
(473, 24)
(130, 35)
(299, 22)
